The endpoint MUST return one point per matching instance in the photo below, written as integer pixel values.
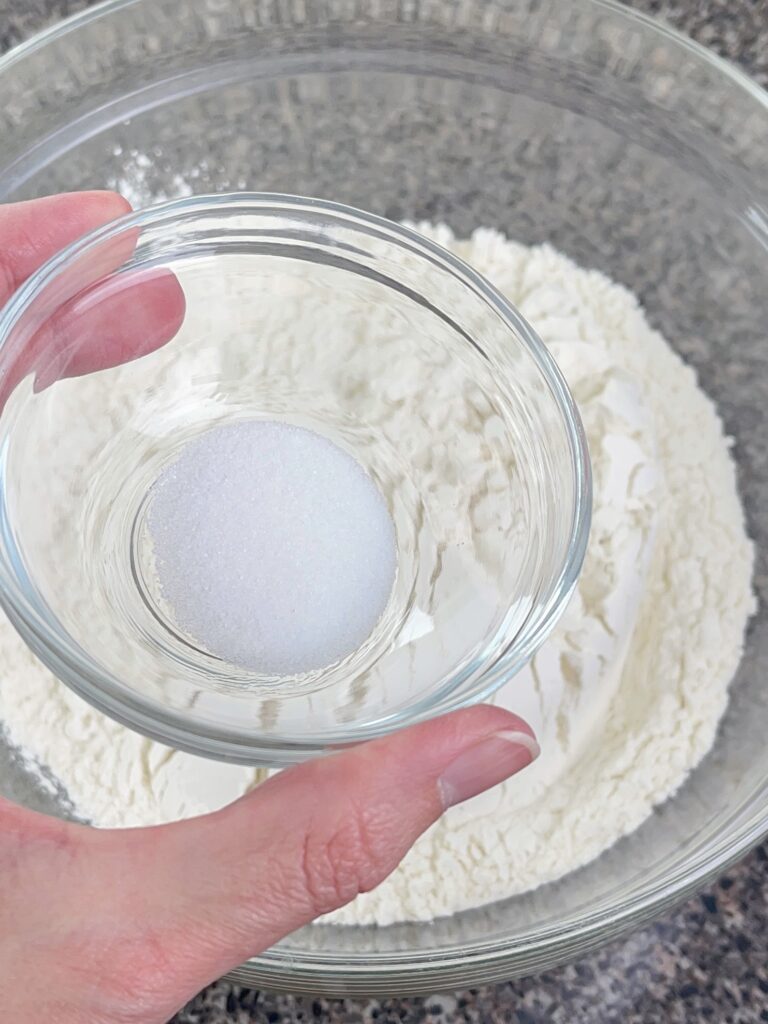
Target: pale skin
(127, 925)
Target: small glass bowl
(205, 310)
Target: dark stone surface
(708, 960)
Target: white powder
(625, 697)
(273, 546)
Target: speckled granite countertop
(708, 961)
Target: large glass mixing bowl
(627, 147)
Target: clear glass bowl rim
(107, 692)
(456, 966)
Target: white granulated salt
(625, 696)
(274, 549)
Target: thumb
(220, 888)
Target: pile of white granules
(625, 697)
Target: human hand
(126, 925)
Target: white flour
(625, 697)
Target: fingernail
(485, 764)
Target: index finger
(107, 320)
(34, 230)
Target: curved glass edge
(105, 8)
(107, 693)
(490, 962)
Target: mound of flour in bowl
(625, 696)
